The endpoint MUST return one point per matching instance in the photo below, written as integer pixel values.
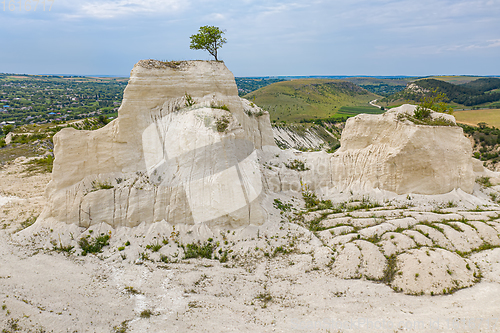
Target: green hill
(304, 99)
(480, 92)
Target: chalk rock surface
(387, 152)
(182, 149)
(186, 149)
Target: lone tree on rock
(208, 38)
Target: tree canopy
(208, 38)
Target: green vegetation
(98, 185)
(296, 165)
(43, 164)
(434, 101)
(489, 117)
(283, 207)
(208, 38)
(93, 245)
(123, 328)
(189, 100)
(303, 99)
(221, 124)
(198, 250)
(486, 143)
(132, 290)
(484, 181)
(472, 93)
(219, 106)
(390, 270)
(247, 84)
(146, 313)
(350, 111)
(42, 98)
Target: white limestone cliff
(186, 149)
(391, 153)
(386, 152)
(162, 158)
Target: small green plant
(146, 313)
(422, 113)
(219, 106)
(156, 247)
(264, 298)
(121, 248)
(122, 328)
(63, 248)
(189, 100)
(297, 165)
(390, 270)
(221, 124)
(13, 325)
(310, 198)
(484, 181)
(132, 290)
(198, 250)
(281, 206)
(93, 245)
(97, 185)
(224, 257)
(43, 164)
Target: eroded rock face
(380, 151)
(187, 150)
(389, 153)
(175, 153)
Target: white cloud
(119, 8)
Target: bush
(93, 245)
(422, 113)
(44, 164)
(297, 165)
(198, 250)
(221, 124)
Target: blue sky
(265, 37)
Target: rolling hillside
(305, 99)
(482, 92)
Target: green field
(354, 110)
(304, 99)
(473, 117)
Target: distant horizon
(272, 76)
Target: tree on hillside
(208, 38)
(433, 101)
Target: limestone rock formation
(182, 149)
(388, 152)
(187, 150)
(188, 153)
(391, 153)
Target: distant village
(39, 100)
